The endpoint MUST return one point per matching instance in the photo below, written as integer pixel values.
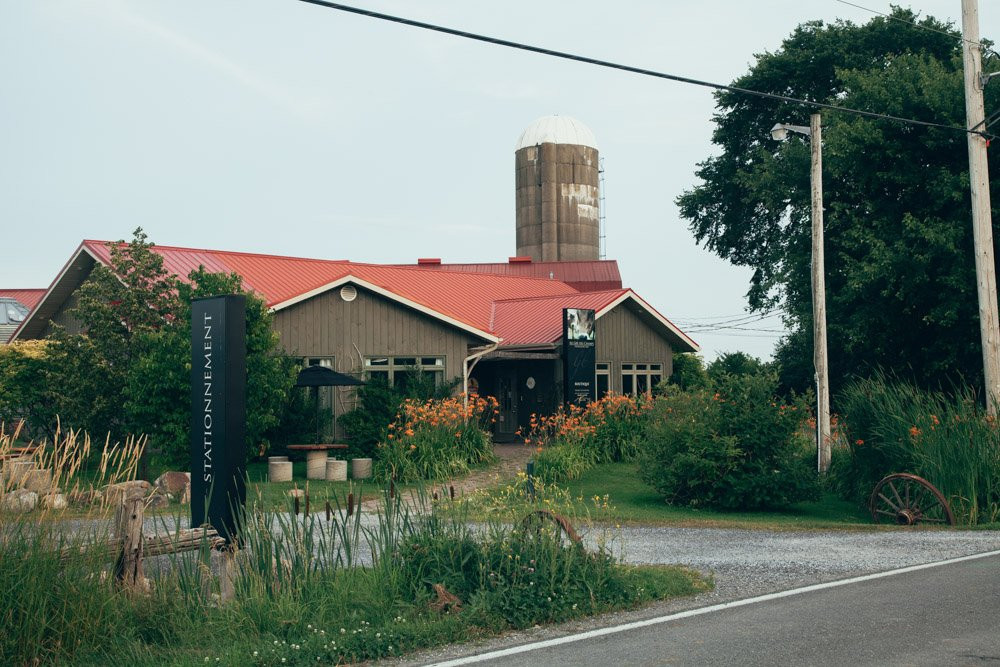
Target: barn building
(493, 327)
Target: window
(640, 378)
(399, 371)
(603, 379)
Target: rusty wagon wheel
(538, 519)
(907, 500)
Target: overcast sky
(280, 127)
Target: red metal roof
(539, 320)
(517, 302)
(583, 276)
(28, 297)
(465, 296)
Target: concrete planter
(361, 468)
(336, 470)
(279, 471)
(16, 473)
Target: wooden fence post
(128, 526)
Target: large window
(399, 371)
(640, 378)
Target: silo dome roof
(556, 130)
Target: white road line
(600, 632)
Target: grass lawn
(631, 500)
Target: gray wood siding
(622, 337)
(372, 325)
(328, 326)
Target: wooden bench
(316, 456)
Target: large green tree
(900, 276)
(129, 370)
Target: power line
(701, 326)
(918, 25)
(629, 68)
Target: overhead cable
(634, 70)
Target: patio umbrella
(321, 376)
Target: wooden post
(819, 298)
(227, 575)
(128, 532)
(982, 224)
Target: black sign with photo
(579, 355)
(218, 412)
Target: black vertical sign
(579, 355)
(218, 412)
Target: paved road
(947, 615)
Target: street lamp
(779, 133)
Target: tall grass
(947, 439)
(298, 589)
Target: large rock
(116, 493)
(54, 501)
(174, 484)
(20, 500)
(39, 481)
(157, 500)
(85, 498)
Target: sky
(280, 127)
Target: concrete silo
(558, 192)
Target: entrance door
(507, 398)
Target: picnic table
(316, 456)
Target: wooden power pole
(819, 297)
(982, 224)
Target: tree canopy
(900, 274)
(129, 368)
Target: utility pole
(982, 224)
(819, 297)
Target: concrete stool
(316, 464)
(336, 470)
(361, 468)
(279, 471)
(272, 459)
(17, 473)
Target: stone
(85, 498)
(296, 493)
(115, 493)
(173, 483)
(16, 472)
(157, 500)
(39, 481)
(54, 501)
(20, 500)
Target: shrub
(436, 439)
(378, 405)
(895, 427)
(573, 439)
(737, 448)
